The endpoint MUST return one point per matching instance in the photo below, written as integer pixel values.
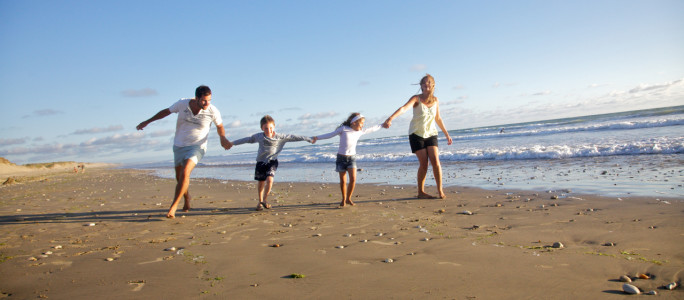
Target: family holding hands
(196, 115)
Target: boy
(270, 145)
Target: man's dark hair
(202, 91)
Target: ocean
(634, 153)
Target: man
(190, 142)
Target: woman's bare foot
(260, 207)
(186, 206)
(423, 195)
(343, 203)
(442, 195)
(170, 215)
(351, 202)
(266, 205)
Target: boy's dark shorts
(418, 143)
(345, 162)
(264, 170)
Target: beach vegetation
(4, 258)
(296, 275)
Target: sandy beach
(102, 234)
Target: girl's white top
(423, 122)
(348, 137)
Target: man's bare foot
(343, 204)
(425, 196)
(186, 208)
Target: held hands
(226, 144)
(387, 124)
(314, 139)
(141, 126)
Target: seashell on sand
(340, 247)
(625, 278)
(109, 259)
(467, 213)
(630, 289)
(170, 249)
(558, 245)
(652, 293)
(644, 276)
(389, 260)
(671, 286)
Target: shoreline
(390, 245)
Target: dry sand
(102, 234)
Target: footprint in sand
(138, 285)
(449, 263)
(383, 243)
(355, 262)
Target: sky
(76, 77)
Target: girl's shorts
(263, 170)
(419, 143)
(345, 162)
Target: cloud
(162, 133)
(663, 86)
(146, 92)
(234, 124)
(321, 115)
(457, 87)
(43, 113)
(111, 128)
(8, 142)
(115, 139)
(542, 93)
(418, 67)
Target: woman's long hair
(431, 98)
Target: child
(270, 145)
(350, 131)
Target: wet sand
(103, 234)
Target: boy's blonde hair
(266, 119)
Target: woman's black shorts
(418, 143)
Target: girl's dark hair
(348, 121)
(266, 119)
(202, 91)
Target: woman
(423, 134)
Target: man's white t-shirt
(193, 129)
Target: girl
(423, 134)
(350, 131)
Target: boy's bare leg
(183, 173)
(422, 156)
(260, 192)
(433, 154)
(343, 188)
(267, 190)
(352, 185)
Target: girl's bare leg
(343, 188)
(422, 156)
(351, 186)
(433, 154)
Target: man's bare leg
(186, 196)
(181, 186)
